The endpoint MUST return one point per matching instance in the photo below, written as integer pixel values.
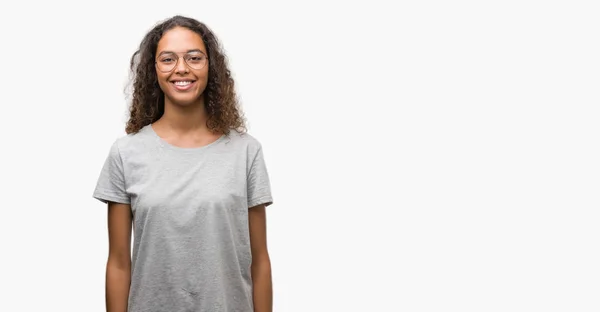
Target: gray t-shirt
(191, 249)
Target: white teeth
(182, 83)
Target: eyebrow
(188, 51)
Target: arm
(261, 264)
(118, 266)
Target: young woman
(189, 181)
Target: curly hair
(148, 100)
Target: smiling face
(181, 66)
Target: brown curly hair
(148, 100)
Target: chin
(184, 100)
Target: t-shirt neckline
(170, 146)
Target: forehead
(180, 39)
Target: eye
(195, 58)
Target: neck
(187, 118)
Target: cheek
(163, 85)
(162, 82)
(203, 78)
(201, 74)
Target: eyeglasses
(166, 62)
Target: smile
(183, 85)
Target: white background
(424, 155)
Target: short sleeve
(110, 186)
(259, 187)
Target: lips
(183, 85)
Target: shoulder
(130, 143)
(245, 143)
(245, 139)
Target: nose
(181, 66)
